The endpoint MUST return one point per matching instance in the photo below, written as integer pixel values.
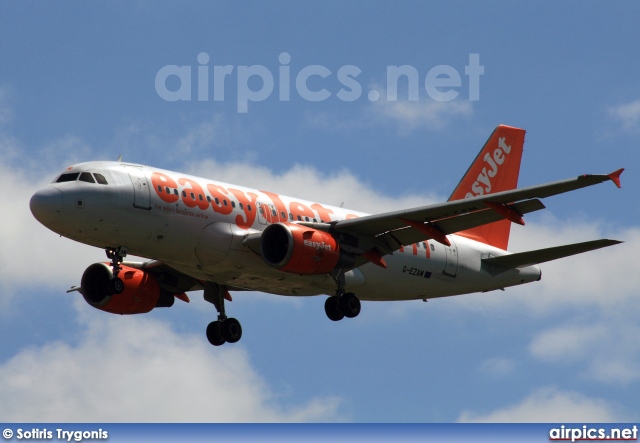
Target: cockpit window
(86, 177)
(71, 177)
(100, 178)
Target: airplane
(202, 234)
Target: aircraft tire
(231, 330)
(117, 286)
(332, 309)
(349, 304)
(214, 334)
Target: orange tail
(495, 169)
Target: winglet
(615, 177)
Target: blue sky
(78, 83)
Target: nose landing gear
(116, 255)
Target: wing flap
(523, 259)
(408, 235)
(374, 225)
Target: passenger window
(233, 204)
(100, 178)
(240, 204)
(86, 177)
(68, 177)
(432, 247)
(249, 208)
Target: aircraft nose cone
(46, 205)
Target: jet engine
(141, 291)
(301, 250)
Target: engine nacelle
(301, 250)
(141, 291)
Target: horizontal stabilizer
(523, 259)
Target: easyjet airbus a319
(201, 234)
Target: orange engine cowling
(301, 250)
(141, 291)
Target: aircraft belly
(260, 279)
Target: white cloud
(627, 114)
(308, 183)
(604, 277)
(32, 255)
(29, 249)
(429, 114)
(498, 366)
(135, 369)
(551, 405)
(601, 279)
(566, 343)
(405, 115)
(598, 279)
(605, 348)
(213, 134)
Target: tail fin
(495, 169)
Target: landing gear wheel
(224, 329)
(231, 330)
(332, 309)
(214, 334)
(117, 286)
(349, 305)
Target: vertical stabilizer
(495, 169)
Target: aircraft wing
(388, 231)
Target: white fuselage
(198, 226)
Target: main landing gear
(116, 255)
(341, 305)
(224, 330)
